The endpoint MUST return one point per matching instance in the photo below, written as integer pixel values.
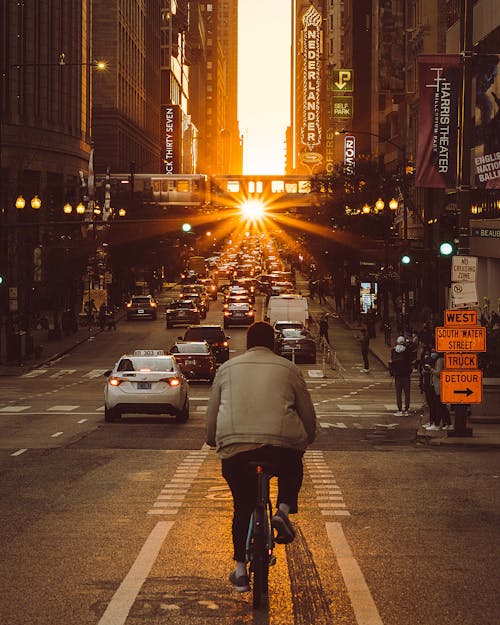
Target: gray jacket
(259, 397)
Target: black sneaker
(281, 523)
(241, 583)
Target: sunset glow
(264, 83)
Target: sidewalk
(485, 433)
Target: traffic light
(186, 227)
(405, 259)
(446, 248)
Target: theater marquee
(311, 123)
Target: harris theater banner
(439, 90)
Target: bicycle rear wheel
(260, 561)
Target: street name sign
(462, 387)
(460, 361)
(460, 318)
(460, 339)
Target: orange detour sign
(461, 339)
(460, 318)
(460, 361)
(462, 387)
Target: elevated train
(200, 190)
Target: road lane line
(119, 607)
(56, 434)
(362, 602)
(19, 452)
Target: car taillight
(129, 304)
(153, 304)
(226, 313)
(250, 313)
(115, 381)
(225, 344)
(172, 381)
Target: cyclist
(260, 410)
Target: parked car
(141, 306)
(182, 312)
(296, 344)
(214, 335)
(238, 314)
(196, 359)
(146, 382)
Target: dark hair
(260, 334)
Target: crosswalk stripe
(14, 408)
(61, 408)
(95, 373)
(35, 373)
(62, 372)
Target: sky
(264, 83)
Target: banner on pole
(439, 90)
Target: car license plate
(190, 361)
(140, 311)
(144, 385)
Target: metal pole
(464, 167)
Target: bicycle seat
(267, 467)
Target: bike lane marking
(122, 601)
(360, 596)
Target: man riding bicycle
(260, 410)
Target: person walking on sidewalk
(323, 327)
(400, 367)
(441, 414)
(322, 290)
(365, 346)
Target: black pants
(242, 480)
(402, 384)
(364, 353)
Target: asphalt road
(129, 523)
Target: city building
(48, 75)
(126, 104)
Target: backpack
(399, 364)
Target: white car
(146, 382)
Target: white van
(288, 307)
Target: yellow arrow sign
(343, 80)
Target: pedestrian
(322, 291)
(312, 288)
(102, 315)
(400, 368)
(371, 315)
(425, 365)
(271, 420)
(323, 327)
(365, 346)
(110, 316)
(442, 419)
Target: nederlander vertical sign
(311, 123)
(172, 139)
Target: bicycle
(260, 539)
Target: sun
(253, 210)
